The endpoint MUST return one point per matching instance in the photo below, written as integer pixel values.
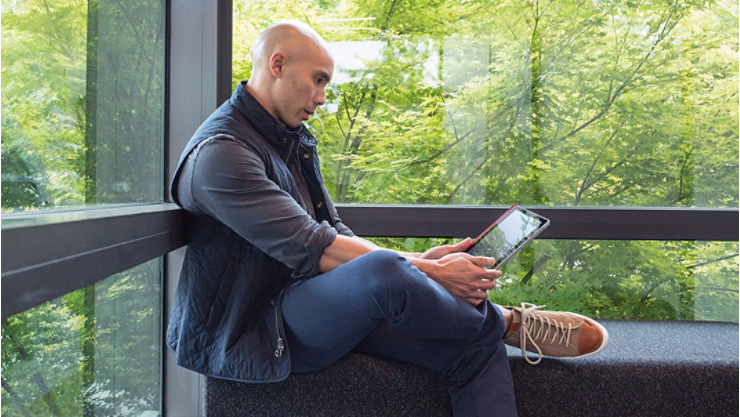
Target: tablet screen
(507, 235)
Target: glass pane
(92, 352)
(649, 280)
(82, 102)
(563, 103)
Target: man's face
(300, 89)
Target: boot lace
(543, 326)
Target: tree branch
(647, 294)
(735, 290)
(681, 173)
(584, 187)
(446, 148)
(692, 266)
(388, 16)
(12, 393)
(476, 169)
(667, 28)
(36, 377)
(537, 265)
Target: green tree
(565, 103)
(82, 105)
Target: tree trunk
(535, 66)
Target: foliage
(557, 103)
(43, 85)
(82, 101)
(44, 364)
(617, 279)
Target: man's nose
(320, 98)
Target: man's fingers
(477, 293)
(482, 261)
(459, 247)
(477, 297)
(463, 244)
(473, 301)
(486, 284)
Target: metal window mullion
(199, 76)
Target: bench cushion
(648, 368)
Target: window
(95, 351)
(83, 125)
(82, 103)
(559, 103)
(609, 279)
(562, 103)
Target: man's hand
(442, 251)
(463, 275)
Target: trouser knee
(391, 279)
(388, 270)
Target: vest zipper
(290, 151)
(280, 344)
(300, 171)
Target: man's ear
(277, 60)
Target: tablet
(508, 235)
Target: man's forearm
(372, 245)
(345, 249)
(463, 275)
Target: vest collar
(281, 137)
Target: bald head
(295, 39)
(291, 65)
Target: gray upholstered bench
(648, 369)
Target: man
(273, 282)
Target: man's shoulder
(229, 121)
(228, 124)
(226, 151)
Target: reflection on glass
(82, 102)
(92, 352)
(564, 103)
(505, 237)
(647, 280)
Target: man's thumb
(464, 244)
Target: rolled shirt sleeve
(230, 184)
(342, 229)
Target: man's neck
(257, 93)
(254, 89)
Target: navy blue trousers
(381, 304)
